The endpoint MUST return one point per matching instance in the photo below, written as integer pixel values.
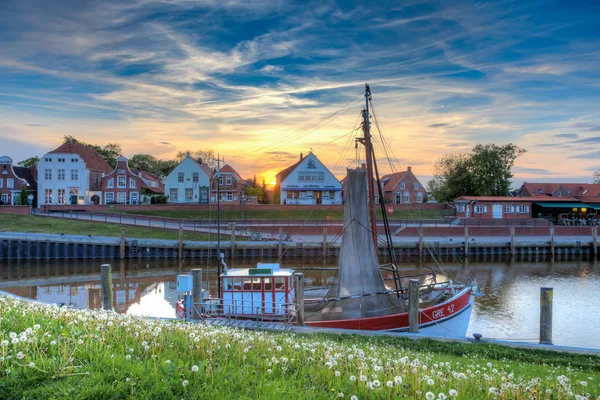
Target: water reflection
(509, 309)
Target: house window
(303, 195)
(559, 194)
(406, 198)
(229, 196)
(48, 196)
(521, 209)
(506, 209)
(111, 183)
(131, 183)
(109, 198)
(397, 198)
(74, 174)
(376, 199)
(173, 195)
(402, 185)
(96, 178)
(1, 183)
(228, 180)
(134, 197)
(220, 181)
(60, 174)
(180, 177)
(195, 176)
(4, 198)
(121, 181)
(416, 186)
(61, 160)
(48, 159)
(10, 183)
(478, 210)
(461, 208)
(74, 160)
(48, 174)
(293, 194)
(61, 196)
(121, 197)
(189, 194)
(419, 196)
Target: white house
(189, 182)
(308, 182)
(71, 174)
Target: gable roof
(229, 169)
(512, 199)
(581, 189)
(284, 174)
(541, 189)
(390, 181)
(27, 174)
(205, 168)
(91, 158)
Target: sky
(261, 81)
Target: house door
(398, 198)
(497, 211)
(318, 197)
(203, 195)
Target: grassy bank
(282, 213)
(29, 224)
(49, 352)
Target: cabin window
(247, 284)
(227, 284)
(237, 284)
(256, 286)
(268, 285)
(478, 210)
(280, 284)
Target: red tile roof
(582, 189)
(229, 169)
(512, 199)
(392, 180)
(92, 159)
(547, 188)
(284, 174)
(204, 168)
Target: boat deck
(248, 324)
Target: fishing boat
(360, 297)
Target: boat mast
(366, 140)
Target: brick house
(559, 190)
(15, 179)
(502, 207)
(230, 184)
(124, 186)
(71, 174)
(403, 188)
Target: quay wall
(20, 210)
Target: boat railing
(259, 312)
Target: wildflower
(430, 381)
(168, 362)
(20, 355)
(493, 390)
(337, 373)
(352, 378)
(442, 396)
(340, 394)
(353, 397)
(185, 383)
(269, 371)
(376, 383)
(31, 365)
(453, 393)
(363, 378)
(195, 368)
(36, 326)
(128, 357)
(278, 348)
(398, 380)
(389, 384)
(4, 343)
(429, 396)
(15, 341)
(52, 343)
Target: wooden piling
(512, 241)
(466, 243)
(196, 291)
(180, 244)
(280, 247)
(324, 250)
(546, 295)
(413, 306)
(595, 241)
(552, 241)
(299, 297)
(107, 287)
(420, 242)
(232, 250)
(122, 247)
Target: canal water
(508, 310)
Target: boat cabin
(266, 289)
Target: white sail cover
(359, 273)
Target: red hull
(399, 322)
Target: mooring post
(280, 247)
(546, 295)
(466, 242)
(595, 241)
(420, 242)
(107, 287)
(324, 251)
(122, 247)
(196, 291)
(552, 241)
(299, 297)
(512, 241)
(180, 243)
(232, 250)
(413, 306)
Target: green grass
(30, 224)
(282, 213)
(62, 353)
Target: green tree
(596, 178)
(23, 197)
(265, 199)
(30, 162)
(207, 156)
(109, 152)
(484, 171)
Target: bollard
(413, 306)
(107, 287)
(196, 289)
(299, 297)
(122, 247)
(180, 244)
(546, 295)
(512, 241)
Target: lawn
(30, 224)
(48, 352)
(282, 213)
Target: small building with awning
(571, 209)
(508, 207)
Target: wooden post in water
(413, 306)
(122, 247)
(595, 241)
(546, 295)
(552, 241)
(280, 247)
(299, 297)
(107, 287)
(196, 291)
(466, 243)
(180, 244)
(512, 241)
(324, 250)
(232, 250)
(420, 242)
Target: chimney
(409, 169)
(301, 157)
(199, 161)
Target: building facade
(559, 190)
(403, 188)
(13, 180)
(308, 182)
(71, 174)
(189, 182)
(229, 184)
(126, 186)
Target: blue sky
(253, 79)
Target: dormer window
(228, 180)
